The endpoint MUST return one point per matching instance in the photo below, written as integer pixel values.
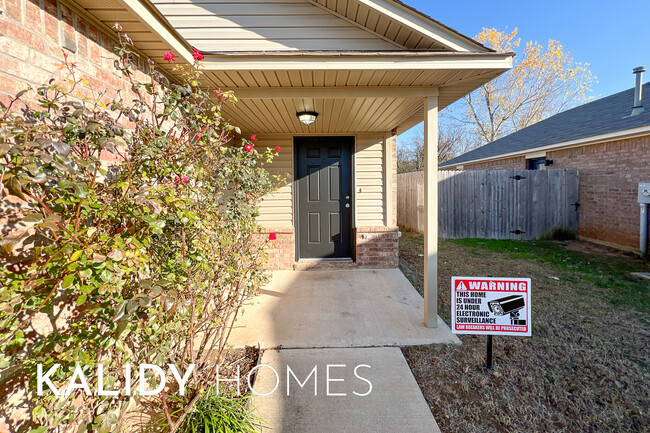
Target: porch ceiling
(347, 101)
(340, 115)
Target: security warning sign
(495, 306)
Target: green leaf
(75, 256)
(33, 218)
(14, 186)
(39, 412)
(81, 299)
(67, 281)
(119, 313)
(40, 429)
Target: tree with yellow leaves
(542, 82)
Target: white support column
(431, 211)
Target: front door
(323, 196)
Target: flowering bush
(144, 261)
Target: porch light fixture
(307, 117)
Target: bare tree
(452, 141)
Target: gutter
(358, 53)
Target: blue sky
(611, 35)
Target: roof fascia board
(419, 24)
(149, 14)
(626, 133)
(383, 62)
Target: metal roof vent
(637, 108)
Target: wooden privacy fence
(493, 204)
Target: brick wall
(34, 34)
(281, 251)
(609, 177)
(609, 174)
(380, 248)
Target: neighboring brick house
(605, 141)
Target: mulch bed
(245, 359)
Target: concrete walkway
(346, 319)
(395, 403)
(342, 308)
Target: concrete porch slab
(395, 403)
(337, 308)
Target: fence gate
(494, 204)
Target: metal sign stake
(488, 359)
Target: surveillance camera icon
(509, 305)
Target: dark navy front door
(323, 196)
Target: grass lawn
(585, 369)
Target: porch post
(431, 211)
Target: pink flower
(169, 56)
(278, 148)
(177, 180)
(254, 137)
(203, 129)
(197, 136)
(184, 179)
(197, 55)
(248, 148)
(272, 236)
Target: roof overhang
(389, 85)
(423, 24)
(586, 141)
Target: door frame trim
(296, 206)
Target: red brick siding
(34, 36)
(281, 251)
(609, 177)
(380, 248)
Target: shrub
(144, 261)
(220, 413)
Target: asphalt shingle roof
(605, 115)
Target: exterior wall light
(307, 117)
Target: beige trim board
(419, 24)
(541, 154)
(394, 61)
(149, 14)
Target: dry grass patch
(585, 369)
